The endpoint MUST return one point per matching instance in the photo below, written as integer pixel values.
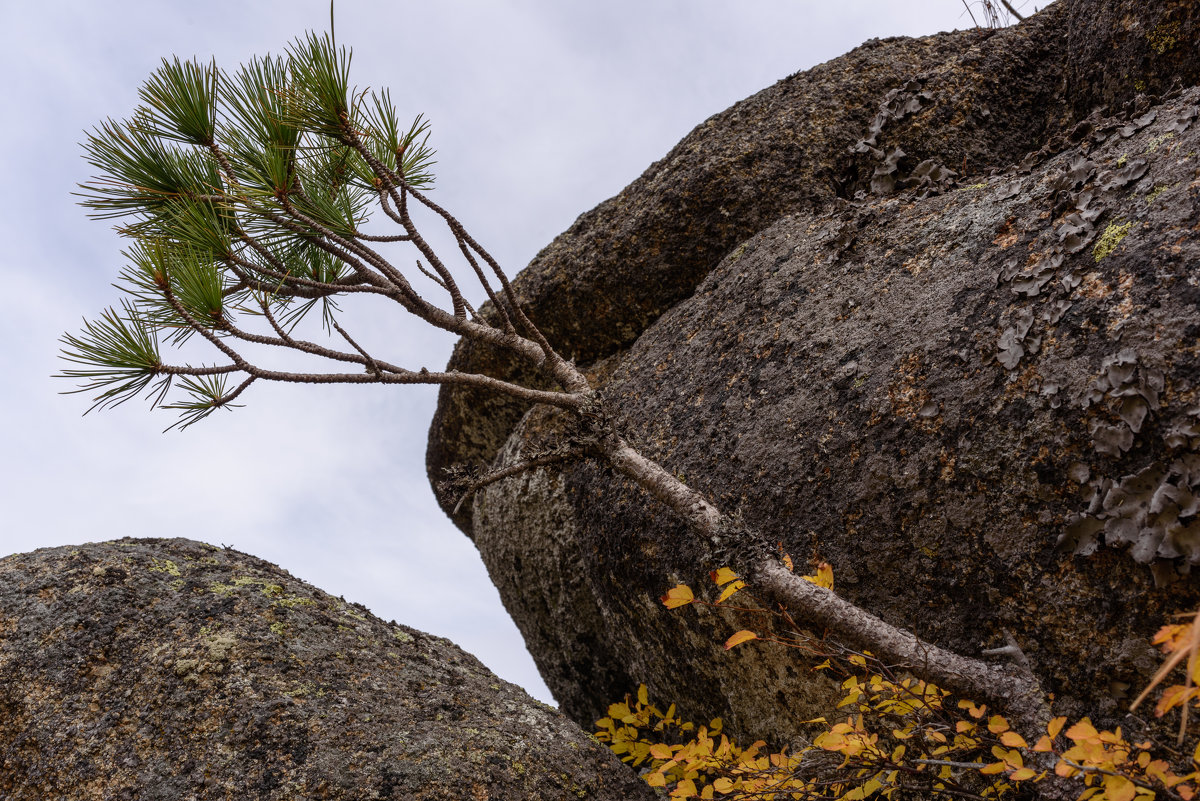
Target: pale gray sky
(540, 110)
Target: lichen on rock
(171, 669)
(945, 394)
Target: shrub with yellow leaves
(901, 736)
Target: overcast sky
(540, 109)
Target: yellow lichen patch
(219, 645)
(1109, 240)
(1157, 141)
(164, 566)
(292, 601)
(1164, 37)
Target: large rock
(955, 400)
(1118, 48)
(971, 100)
(973, 396)
(170, 669)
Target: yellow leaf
(618, 711)
(722, 576)
(992, 769)
(1022, 775)
(974, 711)
(787, 562)
(656, 780)
(685, 789)
(1044, 744)
(1055, 726)
(1011, 756)
(643, 697)
(1118, 788)
(724, 785)
(863, 790)
(1173, 637)
(1013, 740)
(997, 724)
(707, 793)
(830, 741)
(1083, 730)
(823, 577)
(679, 595)
(730, 590)
(1173, 696)
(740, 637)
(660, 751)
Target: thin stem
(515, 469)
(372, 365)
(1013, 11)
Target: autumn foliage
(893, 735)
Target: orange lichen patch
(908, 396)
(1007, 236)
(1120, 313)
(1093, 286)
(917, 263)
(1026, 382)
(948, 461)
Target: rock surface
(976, 396)
(972, 100)
(170, 669)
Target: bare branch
(515, 469)
(372, 365)
(439, 282)
(1013, 11)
